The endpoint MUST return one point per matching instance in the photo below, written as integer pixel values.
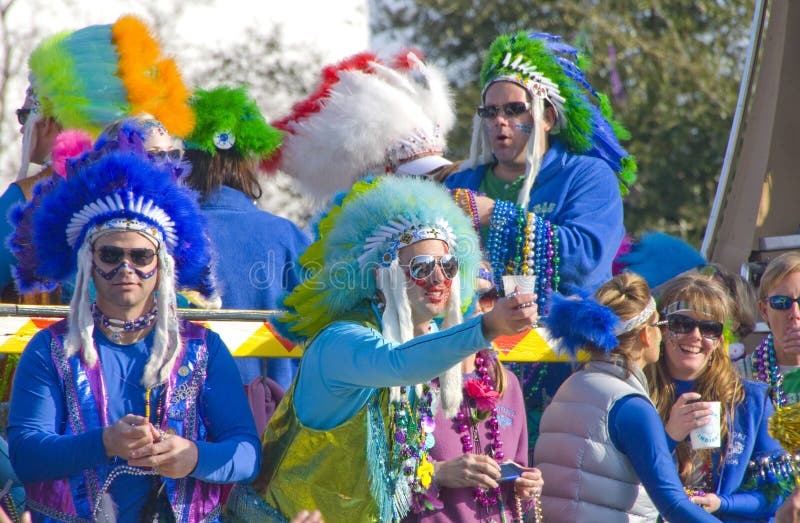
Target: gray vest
(586, 479)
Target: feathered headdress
(121, 191)
(367, 117)
(550, 70)
(89, 78)
(228, 118)
(361, 237)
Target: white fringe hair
(534, 152)
(27, 139)
(398, 327)
(166, 339)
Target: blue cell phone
(510, 471)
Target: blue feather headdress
(364, 232)
(121, 190)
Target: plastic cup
(708, 436)
(527, 284)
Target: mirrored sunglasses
(781, 303)
(113, 255)
(172, 154)
(422, 266)
(509, 109)
(682, 324)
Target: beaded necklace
(467, 420)
(413, 439)
(768, 370)
(119, 326)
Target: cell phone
(510, 471)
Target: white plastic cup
(527, 284)
(708, 436)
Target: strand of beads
(413, 437)
(470, 439)
(515, 261)
(502, 223)
(768, 370)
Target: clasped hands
(481, 471)
(134, 439)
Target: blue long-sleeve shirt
(632, 421)
(347, 361)
(40, 451)
(256, 264)
(581, 195)
(750, 435)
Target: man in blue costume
(257, 251)
(544, 178)
(122, 406)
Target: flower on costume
(484, 395)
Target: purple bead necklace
(768, 370)
(470, 440)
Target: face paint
(110, 274)
(524, 127)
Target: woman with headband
(694, 370)
(602, 450)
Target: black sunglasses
(782, 303)
(22, 114)
(113, 255)
(509, 109)
(422, 266)
(682, 324)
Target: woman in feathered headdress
(395, 254)
(602, 449)
(122, 406)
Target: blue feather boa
(579, 320)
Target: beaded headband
(417, 145)
(112, 204)
(638, 320)
(402, 232)
(524, 74)
(683, 306)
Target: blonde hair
(717, 382)
(627, 294)
(779, 268)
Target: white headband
(636, 321)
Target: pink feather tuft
(625, 247)
(69, 144)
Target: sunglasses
(682, 324)
(781, 303)
(509, 109)
(171, 155)
(422, 266)
(22, 115)
(113, 255)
